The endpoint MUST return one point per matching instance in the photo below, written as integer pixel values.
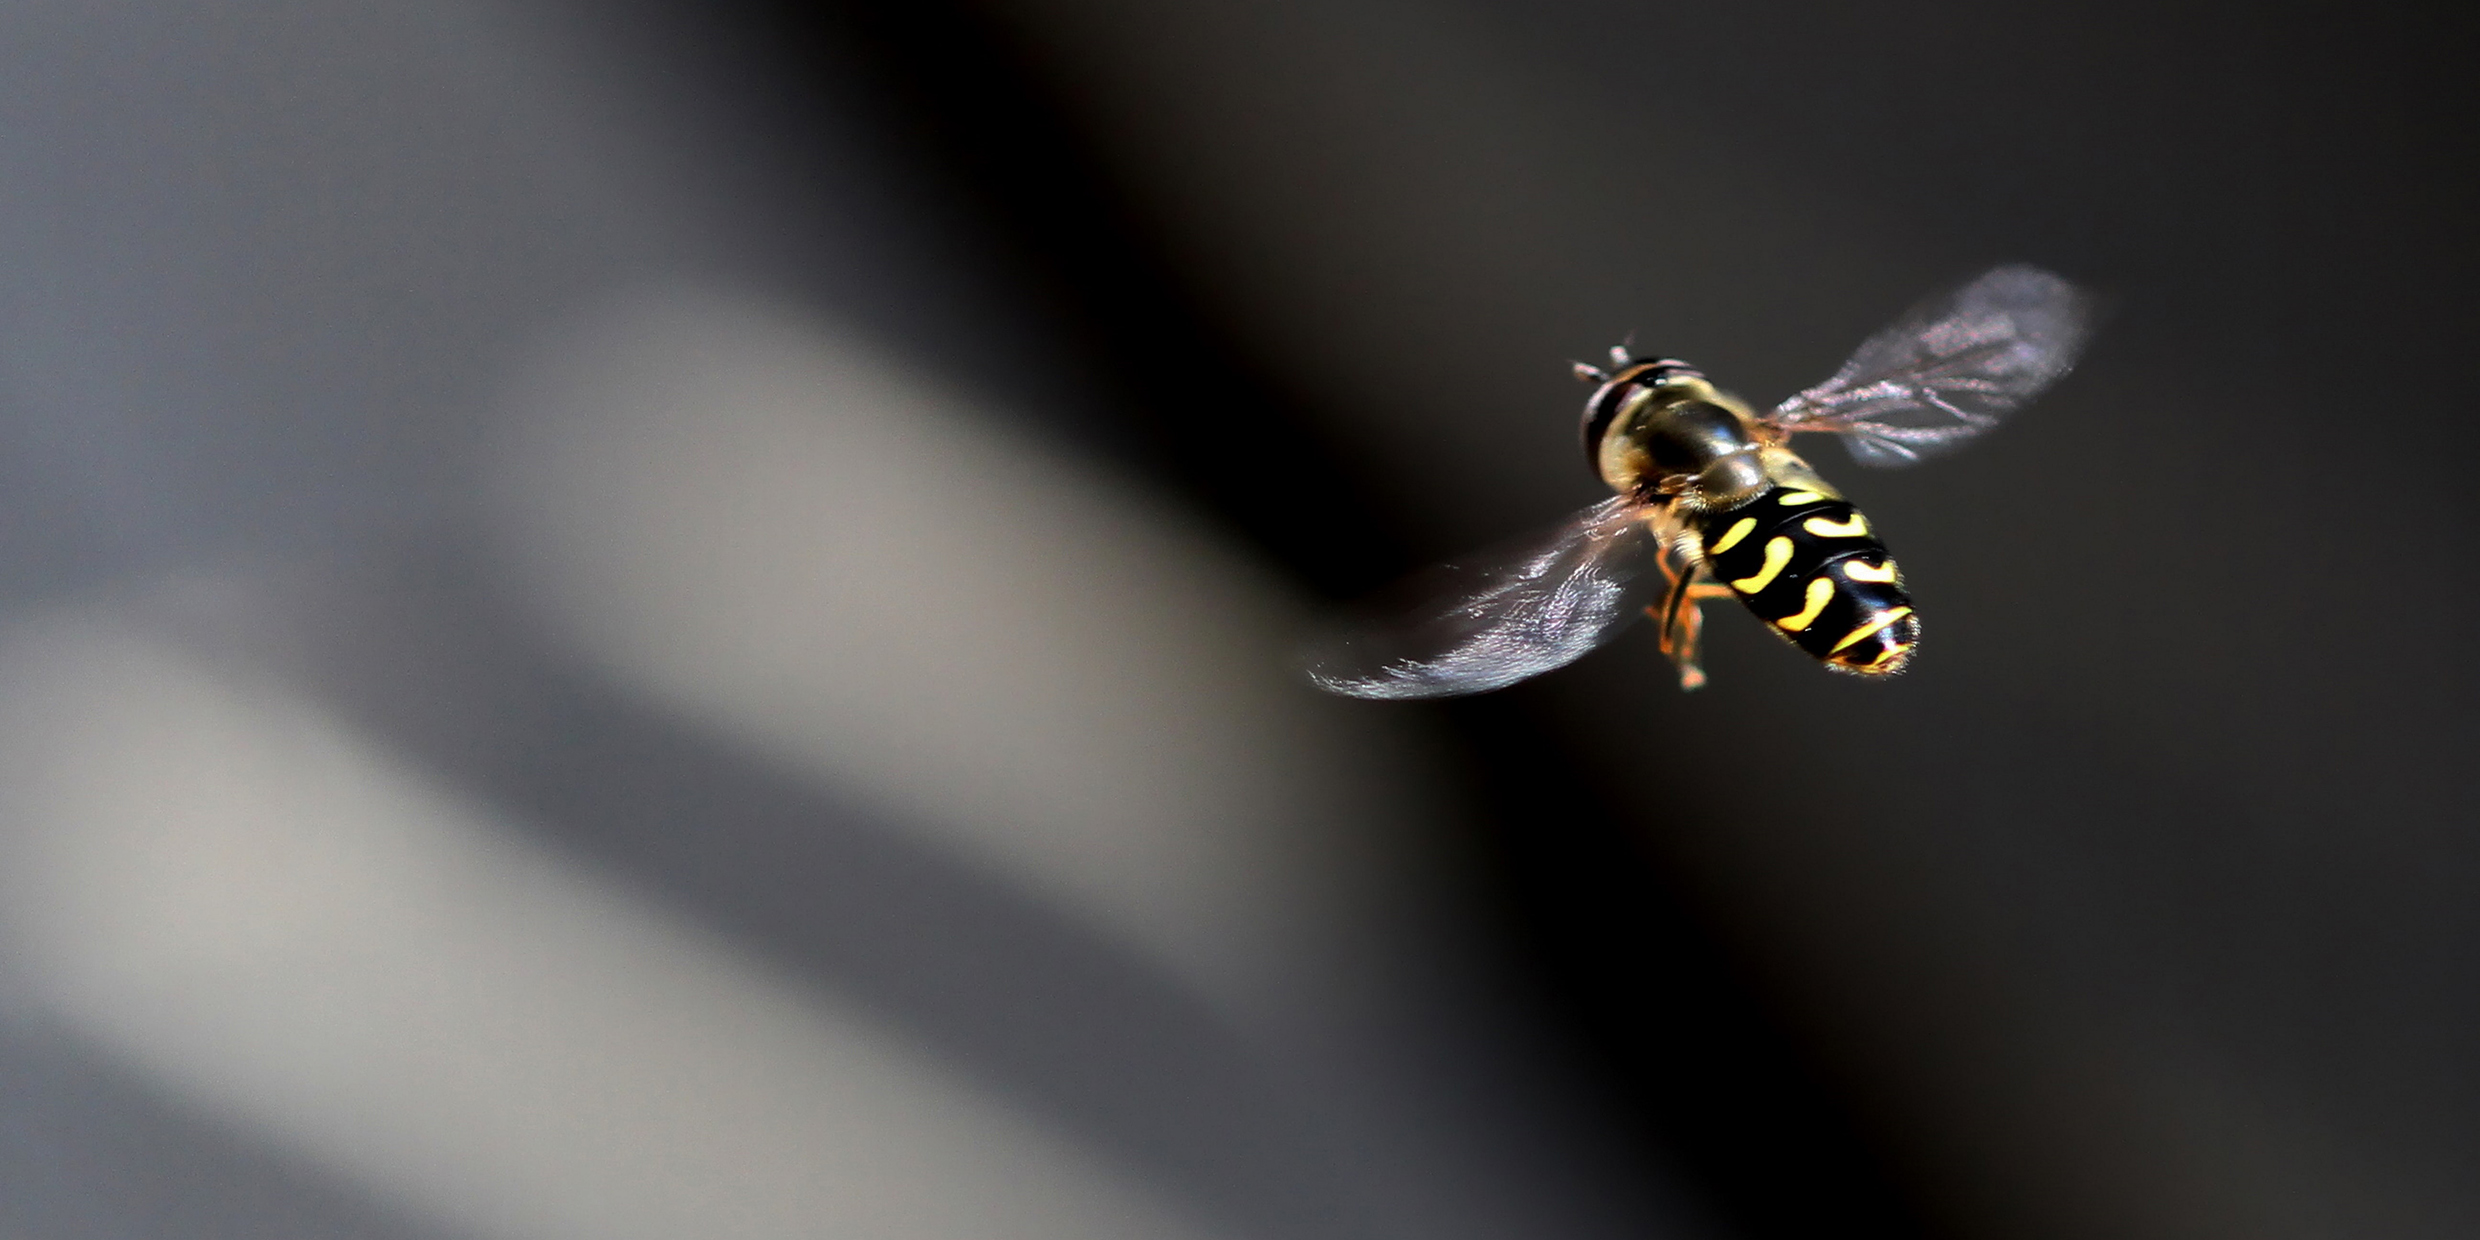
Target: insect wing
(1487, 621)
(1949, 370)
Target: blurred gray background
(656, 620)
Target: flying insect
(1710, 502)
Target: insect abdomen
(1809, 566)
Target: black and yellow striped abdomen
(1807, 564)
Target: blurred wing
(1490, 620)
(1949, 370)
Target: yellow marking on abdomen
(1793, 499)
(1819, 591)
(1862, 570)
(1730, 537)
(1871, 625)
(1777, 554)
(1890, 654)
(1823, 528)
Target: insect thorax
(1660, 428)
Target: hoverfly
(1711, 503)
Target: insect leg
(1680, 614)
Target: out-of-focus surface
(666, 620)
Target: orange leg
(1680, 615)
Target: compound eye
(1599, 412)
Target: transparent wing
(1492, 619)
(1949, 370)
